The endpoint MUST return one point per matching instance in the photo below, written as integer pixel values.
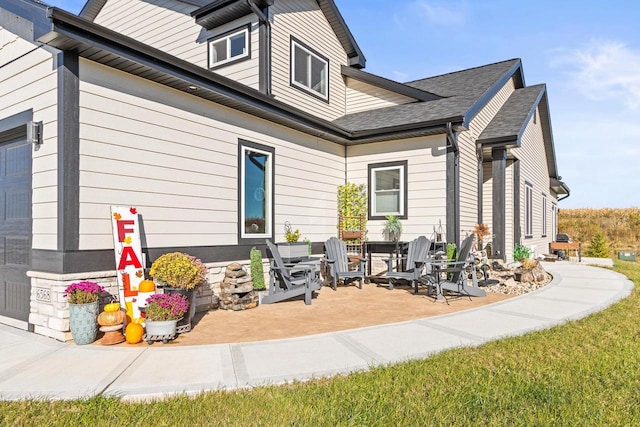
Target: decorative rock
(236, 290)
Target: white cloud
(445, 14)
(605, 70)
(435, 13)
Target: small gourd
(111, 307)
(110, 318)
(134, 332)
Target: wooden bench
(567, 247)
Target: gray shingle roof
(464, 91)
(509, 123)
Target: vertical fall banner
(128, 252)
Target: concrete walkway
(36, 367)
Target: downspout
(453, 187)
(452, 139)
(265, 20)
(480, 159)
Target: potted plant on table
(179, 273)
(162, 314)
(393, 228)
(292, 249)
(83, 300)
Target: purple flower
(166, 306)
(83, 292)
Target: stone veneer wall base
(49, 312)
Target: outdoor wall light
(34, 134)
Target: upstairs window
(309, 70)
(388, 190)
(229, 47)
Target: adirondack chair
(417, 254)
(290, 281)
(338, 263)
(457, 272)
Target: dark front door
(15, 228)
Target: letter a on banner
(129, 261)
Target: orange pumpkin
(109, 318)
(134, 332)
(146, 286)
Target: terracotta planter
(351, 235)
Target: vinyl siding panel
(426, 164)
(534, 170)
(361, 96)
(174, 157)
(167, 25)
(469, 160)
(304, 20)
(28, 80)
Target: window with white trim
(388, 190)
(554, 220)
(256, 190)
(528, 210)
(309, 70)
(544, 215)
(229, 47)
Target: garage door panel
(15, 228)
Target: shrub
(521, 252)
(598, 248)
(257, 272)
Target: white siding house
(170, 106)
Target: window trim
(528, 210)
(293, 83)
(544, 215)
(404, 175)
(227, 35)
(243, 239)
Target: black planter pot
(184, 324)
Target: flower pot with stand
(160, 330)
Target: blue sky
(587, 52)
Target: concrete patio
(35, 367)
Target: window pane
(388, 179)
(255, 192)
(238, 45)
(387, 191)
(318, 75)
(388, 202)
(219, 51)
(301, 59)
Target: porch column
(498, 175)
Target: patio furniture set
(417, 263)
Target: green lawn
(582, 373)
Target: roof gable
(218, 12)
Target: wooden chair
(290, 281)
(457, 272)
(416, 259)
(338, 263)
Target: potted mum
(162, 314)
(83, 300)
(179, 273)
